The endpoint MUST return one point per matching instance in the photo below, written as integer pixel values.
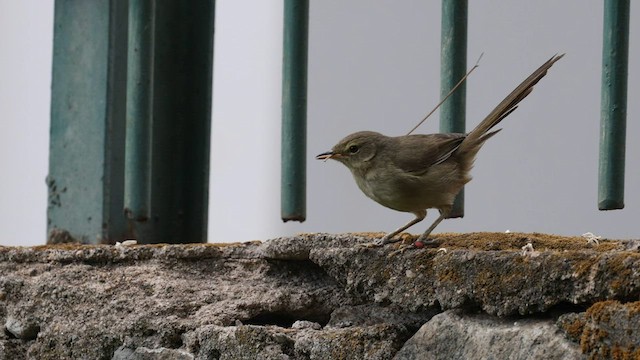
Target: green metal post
(169, 118)
(615, 57)
(86, 159)
(137, 199)
(294, 110)
(453, 67)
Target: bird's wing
(419, 152)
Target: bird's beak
(326, 155)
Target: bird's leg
(387, 239)
(443, 214)
(423, 238)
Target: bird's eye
(353, 149)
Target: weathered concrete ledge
(319, 296)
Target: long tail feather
(477, 137)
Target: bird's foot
(427, 243)
(379, 242)
(368, 245)
(418, 244)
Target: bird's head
(356, 150)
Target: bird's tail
(481, 133)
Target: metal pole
(137, 199)
(615, 57)
(169, 114)
(294, 110)
(88, 96)
(453, 66)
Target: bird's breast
(406, 192)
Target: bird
(413, 173)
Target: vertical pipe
(294, 110)
(453, 65)
(139, 110)
(86, 165)
(169, 114)
(615, 56)
(114, 223)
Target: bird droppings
(591, 238)
(129, 242)
(527, 250)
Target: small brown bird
(414, 173)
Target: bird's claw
(378, 242)
(418, 244)
(369, 245)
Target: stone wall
(320, 296)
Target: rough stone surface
(26, 329)
(488, 272)
(451, 335)
(607, 330)
(572, 324)
(270, 342)
(241, 301)
(303, 324)
(143, 353)
(13, 349)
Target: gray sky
(373, 65)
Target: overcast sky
(373, 65)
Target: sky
(373, 65)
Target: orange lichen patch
(601, 311)
(597, 338)
(634, 308)
(372, 235)
(450, 276)
(583, 263)
(509, 281)
(574, 328)
(620, 353)
(494, 241)
(515, 241)
(610, 330)
(621, 267)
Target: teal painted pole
(453, 67)
(88, 96)
(137, 199)
(294, 110)
(170, 68)
(613, 118)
